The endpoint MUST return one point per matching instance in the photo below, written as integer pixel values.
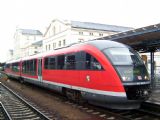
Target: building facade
(9, 55)
(62, 33)
(23, 44)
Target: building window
(49, 47)
(35, 52)
(59, 28)
(91, 34)
(80, 33)
(46, 47)
(54, 30)
(100, 34)
(27, 37)
(80, 40)
(54, 45)
(34, 37)
(59, 44)
(64, 42)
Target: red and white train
(104, 73)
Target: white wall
(59, 31)
(23, 44)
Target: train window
(92, 63)
(7, 66)
(35, 65)
(60, 62)
(95, 65)
(46, 63)
(32, 67)
(29, 67)
(15, 67)
(80, 62)
(70, 62)
(85, 61)
(123, 56)
(88, 61)
(52, 63)
(23, 67)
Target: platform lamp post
(152, 70)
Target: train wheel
(21, 80)
(74, 95)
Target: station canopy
(145, 39)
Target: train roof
(103, 44)
(13, 61)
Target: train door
(40, 69)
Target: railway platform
(155, 96)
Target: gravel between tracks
(49, 102)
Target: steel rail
(21, 105)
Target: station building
(23, 39)
(61, 33)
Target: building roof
(30, 32)
(38, 43)
(97, 26)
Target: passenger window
(70, 62)
(60, 60)
(15, 67)
(46, 63)
(95, 65)
(7, 66)
(92, 63)
(34, 64)
(52, 63)
(88, 61)
(23, 67)
(29, 67)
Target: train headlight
(146, 78)
(126, 78)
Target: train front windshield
(128, 64)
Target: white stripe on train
(118, 94)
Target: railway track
(3, 113)
(148, 111)
(16, 107)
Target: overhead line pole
(152, 69)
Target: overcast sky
(37, 14)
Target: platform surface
(155, 96)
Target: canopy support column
(152, 69)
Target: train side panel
(105, 80)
